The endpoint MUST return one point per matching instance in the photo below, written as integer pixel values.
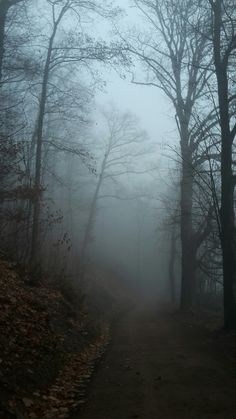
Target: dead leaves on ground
(46, 354)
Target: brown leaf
(27, 402)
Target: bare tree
(123, 145)
(224, 48)
(175, 55)
(57, 56)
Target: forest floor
(160, 365)
(50, 342)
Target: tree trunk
(227, 179)
(227, 208)
(35, 244)
(90, 223)
(188, 289)
(188, 261)
(172, 267)
(4, 6)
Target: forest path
(159, 366)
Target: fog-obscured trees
(48, 87)
(224, 48)
(72, 49)
(120, 147)
(5, 6)
(56, 169)
(175, 55)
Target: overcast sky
(148, 103)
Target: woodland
(89, 229)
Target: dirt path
(160, 367)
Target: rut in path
(157, 367)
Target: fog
(129, 233)
(117, 209)
(118, 169)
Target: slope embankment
(49, 345)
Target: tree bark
(172, 267)
(227, 207)
(90, 222)
(188, 260)
(4, 6)
(187, 234)
(35, 244)
(227, 181)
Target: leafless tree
(224, 48)
(123, 145)
(76, 49)
(175, 55)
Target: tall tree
(174, 54)
(224, 48)
(122, 146)
(72, 50)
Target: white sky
(148, 103)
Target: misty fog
(128, 229)
(117, 209)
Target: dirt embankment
(48, 348)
